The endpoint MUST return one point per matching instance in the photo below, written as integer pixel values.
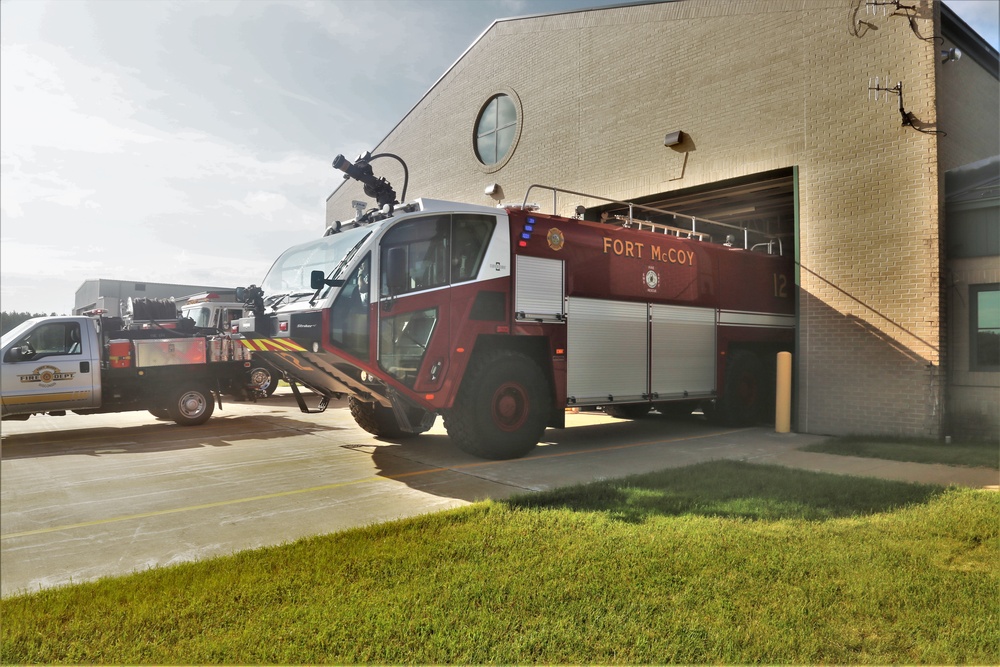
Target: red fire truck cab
(501, 318)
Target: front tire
(502, 408)
(192, 405)
(380, 421)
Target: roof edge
(969, 41)
(479, 38)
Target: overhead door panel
(683, 351)
(606, 352)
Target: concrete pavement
(89, 496)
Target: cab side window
(471, 235)
(53, 339)
(350, 313)
(415, 256)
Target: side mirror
(241, 294)
(318, 280)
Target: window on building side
(496, 129)
(984, 327)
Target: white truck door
(53, 366)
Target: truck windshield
(201, 315)
(291, 272)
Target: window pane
(403, 341)
(350, 312)
(987, 343)
(988, 304)
(472, 235)
(506, 111)
(486, 147)
(496, 129)
(488, 121)
(414, 254)
(505, 138)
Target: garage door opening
(755, 212)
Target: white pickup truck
(94, 364)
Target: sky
(190, 141)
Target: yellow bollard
(783, 394)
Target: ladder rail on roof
(653, 225)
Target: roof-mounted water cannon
(376, 187)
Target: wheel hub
(510, 406)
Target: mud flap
(399, 409)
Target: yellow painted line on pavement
(364, 480)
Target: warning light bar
(529, 227)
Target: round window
(496, 129)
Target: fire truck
(499, 319)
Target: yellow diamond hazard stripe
(271, 344)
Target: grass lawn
(722, 562)
(968, 454)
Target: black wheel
(745, 393)
(160, 413)
(381, 421)
(502, 407)
(191, 406)
(633, 411)
(262, 377)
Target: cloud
(81, 170)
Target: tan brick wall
(755, 85)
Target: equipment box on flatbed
(169, 352)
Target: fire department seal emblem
(556, 239)
(46, 376)
(652, 279)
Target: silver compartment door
(606, 351)
(539, 289)
(683, 351)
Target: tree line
(10, 320)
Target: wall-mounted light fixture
(673, 138)
(950, 55)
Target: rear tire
(502, 408)
(193, 405)
(633, 411)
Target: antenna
(878, 85)
(872, 7)
(909, 120)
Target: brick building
(758, 113)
